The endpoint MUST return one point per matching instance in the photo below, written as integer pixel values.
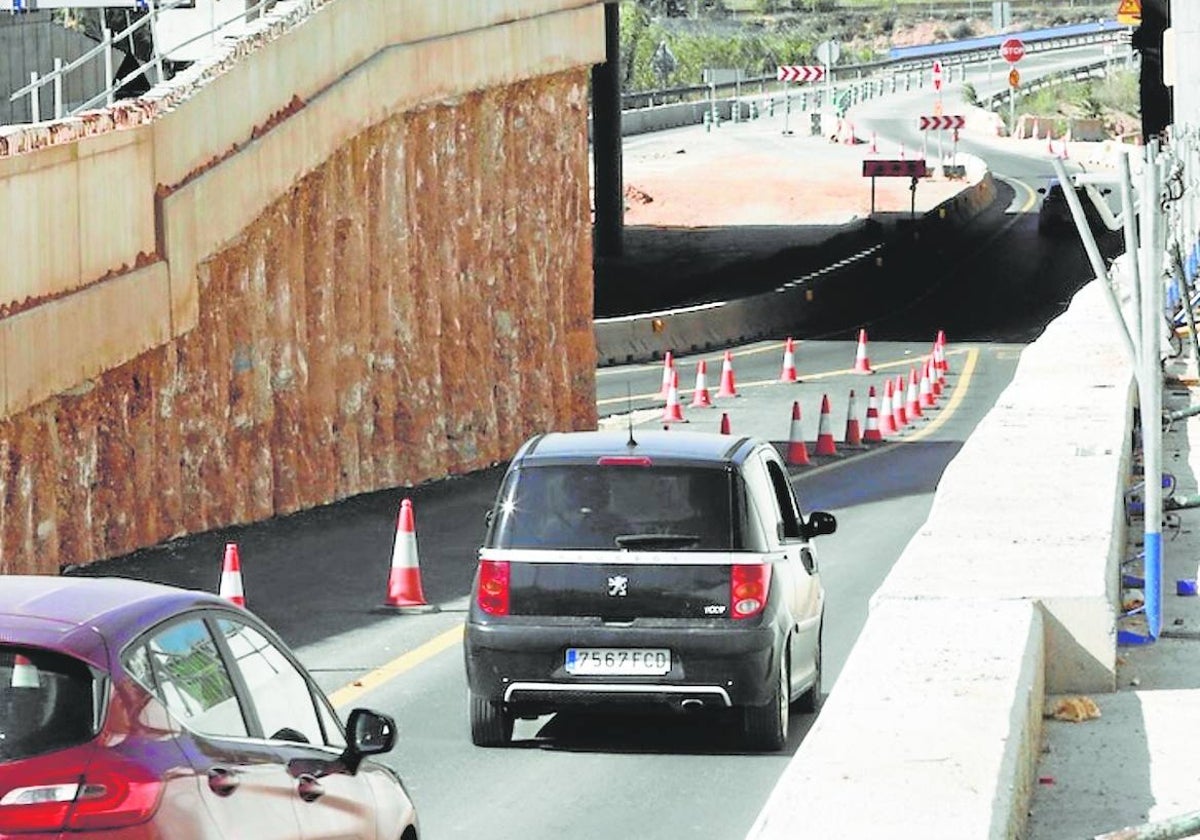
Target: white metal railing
(105, 49)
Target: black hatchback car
(664, 570)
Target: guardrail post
(35, 99)
(108, 64)
(58, 89)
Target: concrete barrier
(1007, 593)
(793, 305)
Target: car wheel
(811, 699)
(491, 725)
(766, 727)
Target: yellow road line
(960, 392)
(349, 694)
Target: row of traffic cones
(404, 590)
(673, 410)
(904, 401)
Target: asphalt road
(319, 576)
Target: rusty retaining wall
(411, 306)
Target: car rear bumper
(525, 666)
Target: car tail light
(76, 790)
(748, 588)
(493, 586)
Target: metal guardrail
(105, 48)
(857, 72)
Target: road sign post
(1012, 50)
(795, 73)
(903, 168)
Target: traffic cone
(939, 365)
(939, 344)
(874, 145)
(853, 431)
(887, 417)
(912, 403)
(797, 452)
(825, 444)
(925, 388)
(700, 397)
(404, 593)
(673, 412)
(935, 374)
(24, 673)
(788, 373)
(899, 415)
(668, 368)
(861, 363)
(872, 433)
(1050, 145)
(727, 387)
(231, 576)
(725, 423)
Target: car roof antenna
(629, 413)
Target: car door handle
(309, 788)
(222, 781)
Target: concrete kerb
(1008, 592)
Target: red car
(134, 710)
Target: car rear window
(48, 701)
(589, 506)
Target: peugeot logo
(618, 586)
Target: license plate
(622, 661)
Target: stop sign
(1012, 50)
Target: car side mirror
(819, 522)
(367, 733)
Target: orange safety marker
(231, 588)
(872, 433)
(788, 373)
(404, 592)
(853, 430)
(887, 416)
(825, 445)
(727, 387)
(797, 452)
(673, 411)
(668, 369)
(862, 364)
(700, 397)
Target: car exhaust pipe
(692, 704)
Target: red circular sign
(1012, 50)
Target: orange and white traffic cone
(231, 588)
(404, 592)
(788, 373)
(825, 445)
(700, 397)
(899, 415)
(939, 348)
(925, 388)
(935, 373)
(853, 430)
(887, 417)
(725, 423)
(24, 673)
(673, 411)
(727, 387)
(912, 402)
(668, 369)
(797, 451)
(862, 364)
(872, 433)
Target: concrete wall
(1006, 594)
(353, 254)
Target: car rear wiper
(656, 540)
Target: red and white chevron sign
(800, 73)
(942, 122)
